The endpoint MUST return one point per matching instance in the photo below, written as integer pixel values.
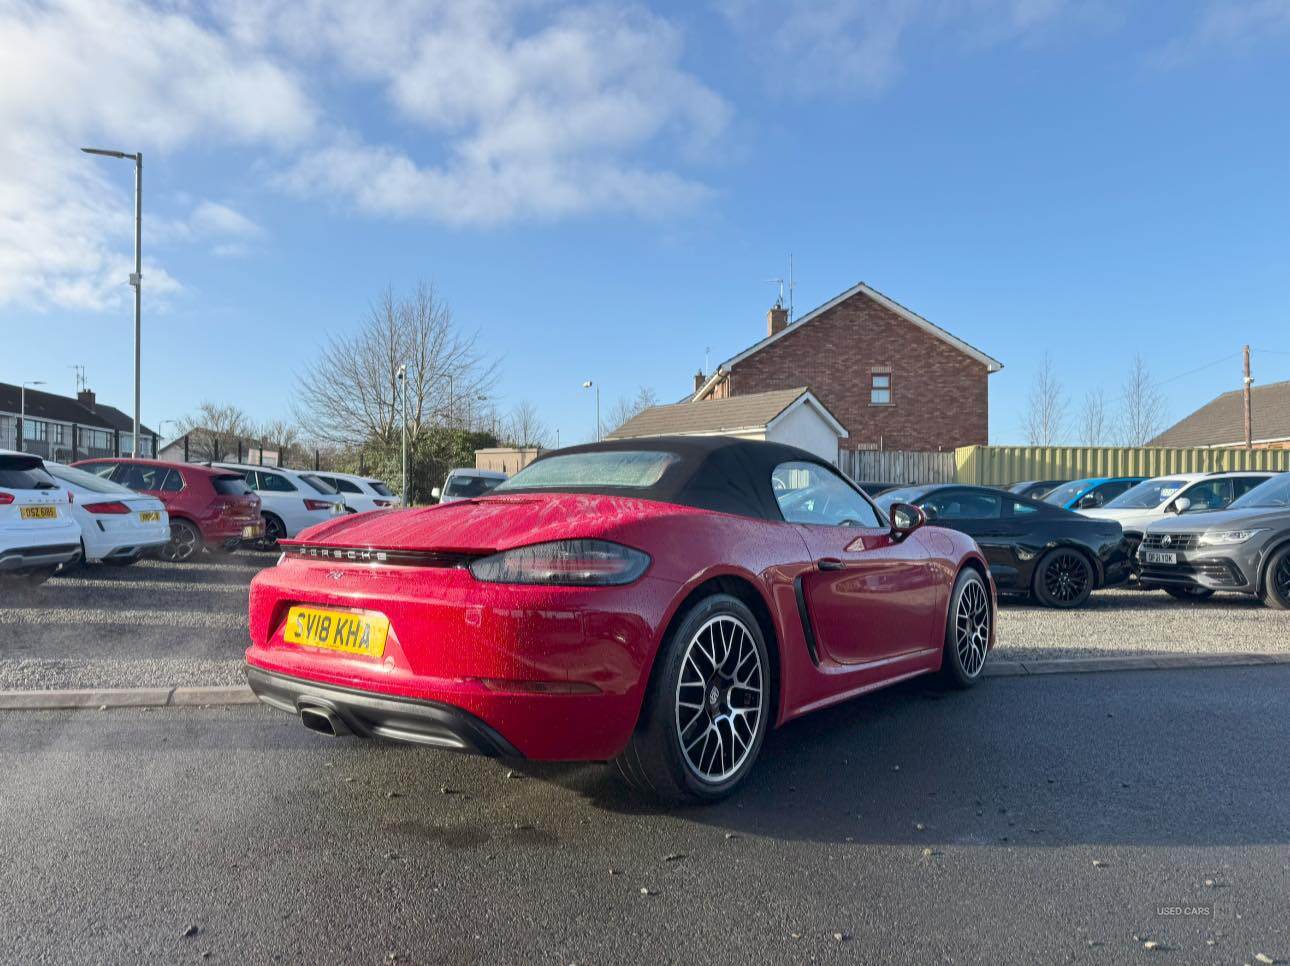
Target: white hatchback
(38, 533)
(465, 482)
(362, 493)
(290, 500)
(118, 525)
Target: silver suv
(1244, 548)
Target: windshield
(625, 468)
(1066, 492)
(1146, 496)
(24, 473)
(905, 494)
(319, 484)
(379, 487)
(470, 485)
(1273, 492)
(86, 481)
(231, 485)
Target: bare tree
(353, 394)
(1142, 407)
(524, 427)
(1094, 424)
(1045, 418)
(626, 408)
(214, 431)
(282, 437)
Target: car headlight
(1225, 538)
(573, 563)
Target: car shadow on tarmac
(1145, 758)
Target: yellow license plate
(337, 630)
(39, 513)
(250, 533)
(149, 516)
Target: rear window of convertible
(618, 468)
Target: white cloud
(1232, 25)
(504, 109)
(859, 47)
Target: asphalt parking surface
(158, 624)
(1064, 818)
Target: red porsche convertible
(659, 603)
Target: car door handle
(830, 563)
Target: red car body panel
(219, 518)
(560, 672)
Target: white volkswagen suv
(290, 500)
(1178, 493)
(37, 532)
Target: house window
(880, 387)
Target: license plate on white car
(1159, 557)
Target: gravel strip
(168, 586)
(1135, 622)
(44, 675)
(132, 618)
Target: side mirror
(435, 493)
(1088, 502)
(905, 519)
(1180, 505)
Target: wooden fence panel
(897, 466)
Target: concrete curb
(194, 697)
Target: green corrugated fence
(996, 465)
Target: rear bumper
(37, 558)
(369, 715)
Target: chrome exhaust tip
(322, 721)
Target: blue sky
(601, 191)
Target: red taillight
(6, 499)
(317, 505)
(113, 507)
(71, 497)
(384, 502)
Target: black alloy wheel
(185, 543)
(1064, 578)
(274, 530)
(1276, 589)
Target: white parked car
(38, 533)
(290, 500)
(462, 484)
(362, 493)
(118, 525)
(1176, 493)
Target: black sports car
(1033, 548)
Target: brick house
(893, 379)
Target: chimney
(699, 380)
(776, 320)
(86, 398)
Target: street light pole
(136, 277)
(22, 413)
(403, 385)
(588, 385)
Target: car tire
(1189, 593)
(967, 630)
(185, 543)
(1064, 578)
(1276, 581)
(711, 686)
(274, 530)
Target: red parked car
(208, 508)
(655, 602)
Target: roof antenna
(707, 350)
(81, 382)
(779, 302)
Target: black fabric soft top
(711, 472)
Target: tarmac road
(1033, 819)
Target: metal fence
(997, 465)
(897, 466)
